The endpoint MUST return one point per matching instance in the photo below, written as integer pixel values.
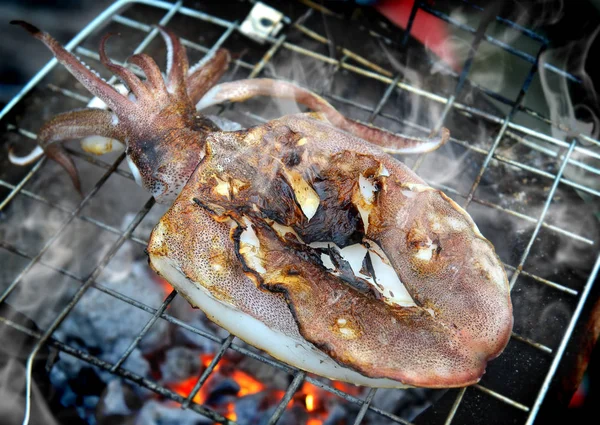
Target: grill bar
(376, 73)
(124, 373)
(209, 369)
(502, 398)
(529, 33)
(386, 95)
(145, 330)
(502, 131)
(80, 292)
(542, 215)
(287, 397)
(455, 405)
(563, 344)
(531, 342)
(363, 410)
(16, 189)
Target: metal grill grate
(363, 68)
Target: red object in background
(428, 29)
(578, 398)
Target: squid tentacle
(129, 78)
(154, 77)
(96, 85)
(28, 159)
(177, 62)
(202, 76)
(241, 90)
(74, 125)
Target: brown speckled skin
(463, 313)
(158, 122)
(464, 283)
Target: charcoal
(157, 413)
(113, 402)
(336, 415)
(179, 364)
(223, 388)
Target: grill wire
(369, 71)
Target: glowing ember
(315, 403)
(310, 402)
(348, 388)
(248, 385)
(310, 397)
(184, 388)
(166, 286)
(206, 359)
(230, 414)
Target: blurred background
(21, 57)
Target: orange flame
(166, 286)
(310, 402)
(313, 403)
(185, 387)
(310, 397)
(230, 413)
(248, 384)
(348, 388)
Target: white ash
(179, 364)
(157, 413)
(248, 411)
(338, 414)
(105, 326)
(113, 401)
(102, 321)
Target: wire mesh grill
(349, 62)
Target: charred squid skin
(358, 330)
(194, 251)
(459, 321)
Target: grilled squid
(302, 236)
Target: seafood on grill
(302, 236)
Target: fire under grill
(527, 176)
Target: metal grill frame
(370, 70)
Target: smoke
(563, 111)
(574, 117)
(12, 401)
